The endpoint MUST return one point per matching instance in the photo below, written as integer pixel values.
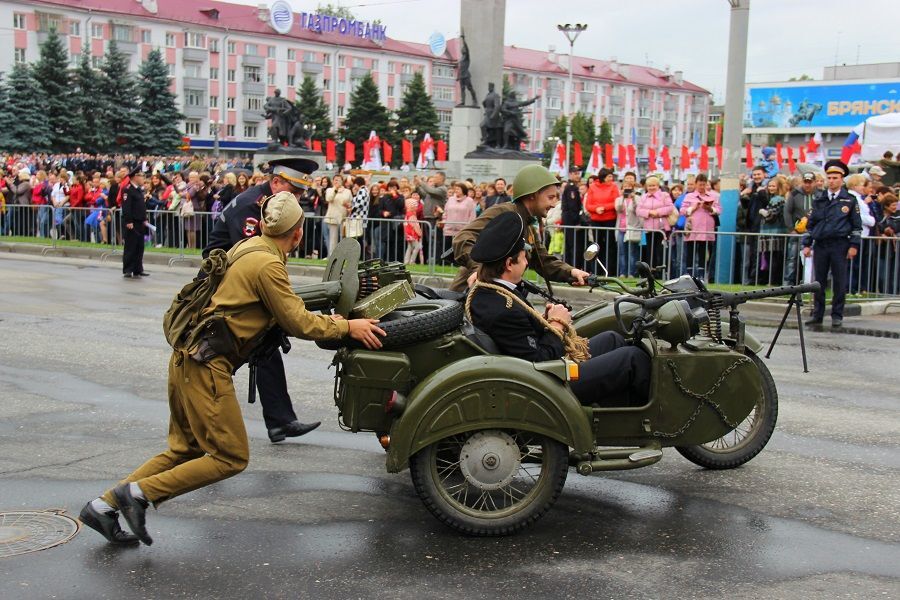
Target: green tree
(88, 105)
(416, 109)
(583, 132)
(51, 73)
(159, 115)
(313, 108)
(605, 136)
(507, 87)
(557, 130)
(121, 112)
(24, 124)
(366, 114)
(335, 10)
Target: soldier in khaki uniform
(207, 441)
(536, 192)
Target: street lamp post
(410, 135)
(571, 32)
(215, 127)
(310, 129)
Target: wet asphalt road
(82, 402)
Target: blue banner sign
(814, 105)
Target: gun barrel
(732, 298)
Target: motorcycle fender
(487, 392)
(750, 341)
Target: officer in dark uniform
(616, 373)
(134, 220)
(240, 220)
(833, 231)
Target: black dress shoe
(837, 322)
(813, 322)
(126, 275)
(107, 525)
(292, 429)
(144, 274)
(134, 510)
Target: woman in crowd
(412, 230)
(654, 207)
(859, 187)
(321, 229)
(59, 199)
(700, 209)
(374, 229)
(191, 204)
(243, 182)
(771, 228)
(600, 205)
(23, 220)
(337, 198)
(40, 199)
(358, 211)
(77, 206)
(888, 275)
(97, 220)
(459, 211)
(628, 232)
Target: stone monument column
(483, 23)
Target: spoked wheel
(490, 482)
(747, 439)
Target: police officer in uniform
(615, 373)
(207, 441)
(134, 219)
(833, 231)
(240, 220)
(536, 191)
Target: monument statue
(287, 121)
(491, 124)
(463, 75)
(513, 121)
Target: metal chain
(702, 399)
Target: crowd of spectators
(414, 218)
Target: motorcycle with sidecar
(489, 439)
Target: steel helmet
(531, 179)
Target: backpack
(182, 321)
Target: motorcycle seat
(479, 338)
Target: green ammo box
(366, 383)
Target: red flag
(577, 159)
(317, 145)
(632, 156)
(685, 158)
(406, 150)
(719, 137)
(651, 158)
(309, 144)
(719, 160)
(330, 153)
(441, 150)
(749, 150)
(387, 153)
(654, 143)
(349, 151)
(561, 154)
(595, 157)
(704, 158)
(802, 153)
(812, 145)
(792, 166)
(608, 156)
(778, 156)
(847, 152)
(666, 159)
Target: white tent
(880, 134)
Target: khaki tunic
(547, 265)
(207, 441)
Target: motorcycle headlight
(678, 322)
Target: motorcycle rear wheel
(750, 436)
(490, 482)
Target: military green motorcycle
(489, 439)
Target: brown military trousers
(207, 440)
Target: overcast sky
(787, 37)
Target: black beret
(837, 166)
(502, 237)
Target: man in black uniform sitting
(240, 220)
(614, 373)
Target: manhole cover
(29, 531)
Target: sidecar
(489, 439)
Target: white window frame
(231, 74)
(270, 52)
(229, 130)
(230, 103)
(122, 33)
(254, 103)
(443, 92)
(195, 98)
(270, 78)
(231, 48)
(75, 28)
(214, 102)
(213, 44)
(19, 55)
(194, 39)
(251, 49)
(191, 128)
(18, 20)
(146, 36)
(170, 39)
(214, 72)
(252, 73)
(97, 31)
(291, 80)
(251, 131)
(292, 54)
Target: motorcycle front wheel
(490, 482)
(747, 439)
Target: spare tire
(413, 322)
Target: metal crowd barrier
(749, 259)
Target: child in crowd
(412, 231)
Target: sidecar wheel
(749, 438)
(490, 482)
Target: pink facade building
(225, 59)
